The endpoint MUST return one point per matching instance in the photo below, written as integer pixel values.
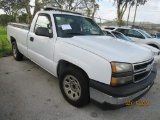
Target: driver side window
(44, 21)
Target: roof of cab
(48, 8)
(53, 10)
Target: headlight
(121, 67)
(122, 73)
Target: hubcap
(72, 87)
(14, 51)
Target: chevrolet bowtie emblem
(149, 67)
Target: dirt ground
(28, 92)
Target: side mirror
(41, 31)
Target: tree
(138, 3)
(38, 6)
(122, 6)
(62, 4)
(11, 7)
(91, 7)
(23, 18)
(131, 5)
(4, 19)
(27, 7)
(16, 7)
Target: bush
(5, 47)
(4, 19)
(23, 18)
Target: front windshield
(145, 34)
(121, 36)
(69, 26)
(158, 35)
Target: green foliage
(88, 7)
(5, 47)
(22, 18)
(4, 19)
(17, 7)
(11, 7)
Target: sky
(150, 12)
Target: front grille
(141, 70)
(142, 66)
(140, 76)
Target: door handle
(31, 39)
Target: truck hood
(111, 49)
(153, 49)
(153, 39)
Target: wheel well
(62, 64)
(153, 45)
(12, 39)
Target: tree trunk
(37, 7)
(119, 17)
(118, 14)
(128, 14)
(135, 14)
(94, 11)
(27, 7)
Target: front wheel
(74, 86)
(16, 54)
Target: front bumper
(105, 94)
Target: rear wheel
(74, 86)
(16, 54)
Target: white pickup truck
(89, 65)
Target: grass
(5, 46)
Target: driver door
(41, 48)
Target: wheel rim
(14, 51)
(72, 87)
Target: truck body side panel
(20, 35)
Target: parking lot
(28, 92)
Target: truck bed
(19, 25)
(19, 32)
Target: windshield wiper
(97, 34)
(73, 33)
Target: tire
(74, 86)
(16, 54)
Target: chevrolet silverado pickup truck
(88, 64)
